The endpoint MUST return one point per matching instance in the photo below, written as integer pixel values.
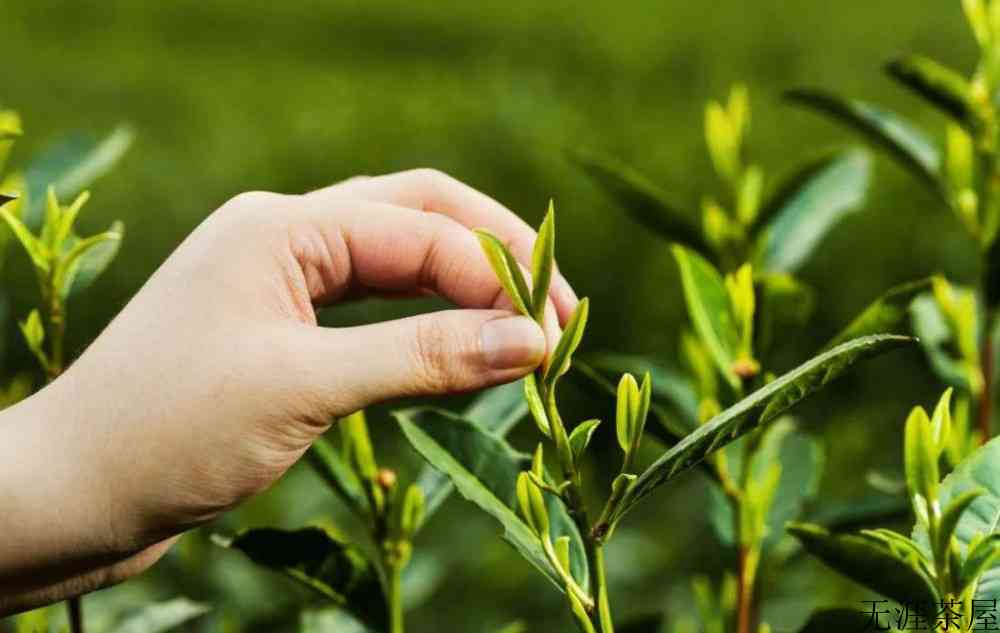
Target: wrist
(54, 494)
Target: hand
(215, 378)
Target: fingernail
(512, 342)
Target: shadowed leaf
(885, 130)
(940, 85)
(642, 200)
(885, 314)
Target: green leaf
(979, 471)
(899, 138)
(807, 216)
(801, 458)
(950, 518)
(940, 85)
(34, 247)
(981, 557)
(643, 200)
(315, 558)
(709, 310)
(542, 263)
(561, 358)
(328, 463)
(920, 457)
(87, 259)
(579, 439)
(758, 409)
(871, 561)
(507, 270)
(70, 166)
(936, 339)
(885, 314)
(163, 616)
(496, 411)
(4, 199)
(485, 469)
(827, 620)
(36, 621)
(871, 510)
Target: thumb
(430, 354)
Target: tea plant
(944, 575)
(544, 515)
(373, 584)
(737, 276)
(955, 324)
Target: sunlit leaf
(883, 129)
(162, 617)
(832, 193)
(562, 356)
(979, 471)
(709, 310)
(88, 258)
(507, 270)
(542, 263)
(885, 314)
(642, 200)
(485, 469)
(757, 409)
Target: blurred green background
(233, 96)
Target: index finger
(433, 191)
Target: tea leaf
(579, 439)
(709, 310)
(870, 561)
(757, 409)
(980, 558)
(808, 215)
(936, 338)
(4, 199)
(979, 471)
(496, 411)
(885, 130)
(542, 263)
(950, 518)
(70, 166)
(507, 270)
(87, 259)
(36, 250)
(485, 469)
(885, 314)
(357, 445)
(330, 466)
(643, 200)
(561, 358)
(163, 616)
(315, 558)
(920, 457)
(940, 85)
(36, 621)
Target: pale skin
(215, 378)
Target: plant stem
(75, 607)
(601, 588)
(744, 596)
(985, 415)
(395, 598)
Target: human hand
(215, 378)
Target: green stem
(601, 588)
(395, 598)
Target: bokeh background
(289, 96)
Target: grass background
(290, 96)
